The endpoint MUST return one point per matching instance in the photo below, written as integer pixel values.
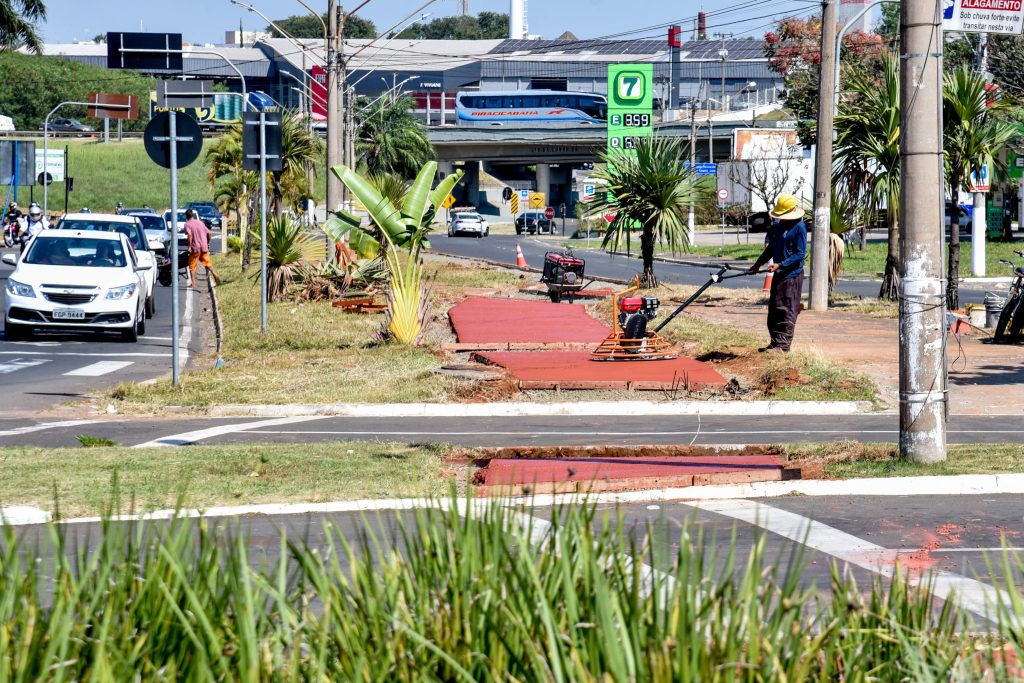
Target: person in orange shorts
(198, 247)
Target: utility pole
(690, 218)
(923, 400)
(979, 218)
(334, 122)
(823, 160)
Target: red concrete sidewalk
(490, 320)
(566, 475)
(575, 370)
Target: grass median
(81, 480)
(853, 459)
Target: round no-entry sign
(549, 213)
(723, 194)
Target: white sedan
(468, 222)
(76, 280)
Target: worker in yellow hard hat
(786, 248)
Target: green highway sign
(630, 105)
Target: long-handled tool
(630, 339)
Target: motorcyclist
(12, 223)
(119, 209)
(33, 225)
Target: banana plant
(394, 230)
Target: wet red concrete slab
(494, 320)
(576, 370)
(609, 474)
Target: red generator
(563, 274)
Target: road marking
(97, 369)
(975, 596)
(42, 426)
(16, 364)
(187, 438)
(84, 355)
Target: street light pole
(333, 108)
(821, 229)
(922, 323)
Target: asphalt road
(502, 248)
(58, 367)
(955, 540)
(499, 431)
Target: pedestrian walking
(198, 247)
(786, 248)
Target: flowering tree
(794, 51)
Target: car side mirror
(10, 259)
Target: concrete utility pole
(823, 161)
(334, 122)
(979, 219)
(690, 218)
(923, 398)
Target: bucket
(993, 307)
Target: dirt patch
(773, 379)
(490, 391)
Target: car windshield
(151, 222)
(467, 217)
(204, 210)
(129, 230)
(77, 251)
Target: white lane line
(187, 438)
(42, 426)
(16, 364)
(152, 338)
(186, 329)
(84, 355)
(97, 369)
(975, 596)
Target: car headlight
(18, 289)
(126, 292)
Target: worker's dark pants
(783, 307)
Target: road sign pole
(263, 222)
(67, 184)
(175, 319)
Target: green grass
(106, 174)
(851, 459)
(477, 598)
(236, 474)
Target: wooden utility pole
(823, 161)
(923, 399)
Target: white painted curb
(956, 485)
(619, 408)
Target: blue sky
(204, 21)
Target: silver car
(468, 223)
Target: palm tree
(390, 139)
(288, 248)
(972, 139)
(868, 149)
(650, 190)
(301, 150)
(18, 20)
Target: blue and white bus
(501, 108)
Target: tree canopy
(33, 85)
(308, 26)
(18, 22)
(484, 26)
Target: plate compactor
(630, 339)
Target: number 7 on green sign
(630, 86)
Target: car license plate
(69, 314)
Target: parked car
(129, 226)
(207, 212)
(468, 223)
(964, 220)
(67, 126)
(534, 222)
(157, 231)
(76, 280)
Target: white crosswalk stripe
(97, 369)
(15, 364)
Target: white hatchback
(76, 280)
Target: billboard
(225, 109)
(318, 90)
(630, 105)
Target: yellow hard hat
(787, 207)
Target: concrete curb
(218, 322)
(955, 485)
(595, 408)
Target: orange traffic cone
(767, 282)
(520, 259)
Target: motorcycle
(11, 233)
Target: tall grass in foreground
(472, 597)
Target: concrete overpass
(554, 150)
